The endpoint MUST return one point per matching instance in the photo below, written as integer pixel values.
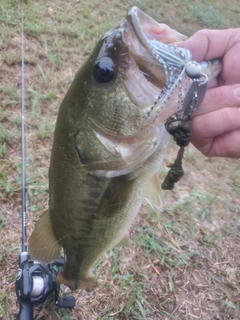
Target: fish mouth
(139, 31)
(146, 28)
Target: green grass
(39, 100)
(2, 223)
(206, 15)
(8, 186)
(8, 21)
(10, 96)
(3, 303)
(168, 254)
(33, 23)
(46, 129)
(5, 137)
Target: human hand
(216, 124)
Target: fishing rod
(34, 281)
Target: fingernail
(236, 92)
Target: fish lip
(146, 29)
(151, 45)
(134, 37)
(133, 18)
(143, 29)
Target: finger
(211, 132)
(211, 44)
(219, 98)
(221, 44)
(227, 145)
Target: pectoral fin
(115, 197)
(43, 245)
(153, 193)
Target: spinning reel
(35, 282)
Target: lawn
(183, 261)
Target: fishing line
(34, 281)
(23, 145)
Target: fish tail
(43, 245)
(86, 283)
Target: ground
(183, 261)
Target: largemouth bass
(109, 143)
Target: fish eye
(104, 70)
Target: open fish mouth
(151, 45)
(152, 49)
